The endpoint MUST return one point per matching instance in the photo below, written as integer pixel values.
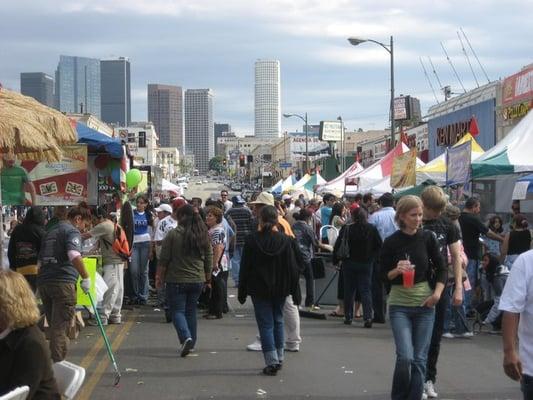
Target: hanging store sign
(516, 111)
(450, 134)
(330, 131)
(518, 87)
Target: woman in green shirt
(185, 266)
(411, 304)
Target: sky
(214, 44)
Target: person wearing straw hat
(290, 311)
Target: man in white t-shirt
(224, 199)
(517, 303)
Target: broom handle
(102, 331)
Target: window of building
(142, 139)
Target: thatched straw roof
(32, 130)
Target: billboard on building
(316, 148)
(401, 108)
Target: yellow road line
(88, 359)
(88, 387)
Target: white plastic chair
(19, 393)
(69, 378)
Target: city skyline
(197, 46)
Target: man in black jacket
(25, 244)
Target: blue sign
(285, 165)
(458, 160)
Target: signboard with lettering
(518, 87)
(516, 111)
(401, 108)
(450, 134)
(330, 131)
(28, 182)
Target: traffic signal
(250, 159)
(224, 162)
(241, 160)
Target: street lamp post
(304, 119)
(354, 41)
(343, 145)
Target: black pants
(379, 303)
(434, 347)
(357, 277)
(218, 300)
(309, 284)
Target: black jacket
(25, 361)
(24, 245)
(270, 267)
(364, 242)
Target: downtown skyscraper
(267, 98)
(199, 128)
(115, 88)
(78, 85)
(38, 85)
(165, 111)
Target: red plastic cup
(409, 278)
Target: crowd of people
(428, 265)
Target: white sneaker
(466, 335)
(429, 389)
(293, 347)
(255, 346)
(448, 335)
(424, 396)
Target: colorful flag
(404, 170)
(458, 160)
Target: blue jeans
(412, 328)
(357, 276)
(527, 387)
(269, 317)
(139, 271)
(472, 272)
(182, 299)
(454, 313)
(236, 264)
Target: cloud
(209, 43)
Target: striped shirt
(242, 217)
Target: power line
(429, 80)
(467, 58)
(453, 67)
(475, 55)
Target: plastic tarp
(98, 142)
(300, 184)
(376, 173)
(436, 168)
(170, 187)
(336, 185)
(277, 188)
(315, 180)
(510, 155)
(288, 183)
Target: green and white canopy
(511, 155)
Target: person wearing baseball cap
(291, 316)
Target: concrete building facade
(199, 127)
(267, 104)
(165, 111)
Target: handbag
(343, 251)
(318, 266)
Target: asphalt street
(335, 362)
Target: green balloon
(133, 178)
